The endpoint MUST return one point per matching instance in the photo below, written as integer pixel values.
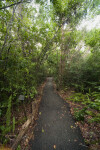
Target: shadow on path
(55, 127)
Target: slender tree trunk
(62, 57)
(20, 6)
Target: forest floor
(90, 131)
(30, 132)
(18, 113)
(24, 144)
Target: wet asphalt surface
(56, 127)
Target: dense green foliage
(44, 41)
(20, 72)
(90, 101)
(83, 70)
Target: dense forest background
(40, 39)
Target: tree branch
(14, 4)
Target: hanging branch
(15, 4)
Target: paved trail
(55, 127)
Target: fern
(19, 147)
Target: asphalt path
(56, 128)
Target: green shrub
(80, 114)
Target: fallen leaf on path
(75, 140)
(42, 130)
(71, 127)
(39, 113)
(54, 146)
